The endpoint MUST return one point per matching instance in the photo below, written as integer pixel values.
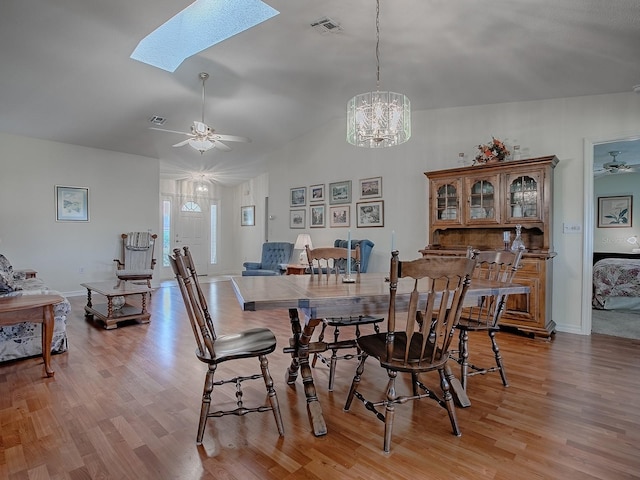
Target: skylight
(196, 28)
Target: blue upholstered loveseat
(365, 250)
(275, 257)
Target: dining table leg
(294, 341)
(300, 360)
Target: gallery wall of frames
(332, 205)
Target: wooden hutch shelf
(474, 206)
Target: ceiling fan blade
(230, 138)
(221, 146)
(169, 131)
(182, 143)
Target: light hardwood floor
(124, 404)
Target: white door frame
(587, 249)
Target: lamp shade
(302, 240)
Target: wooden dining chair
(329, 264)
(500, 265)
(417, 341)
(215, 349)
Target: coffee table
(111, 313)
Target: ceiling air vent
(157, 120)
(326, 25)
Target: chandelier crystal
(378, 119)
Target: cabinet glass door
(524, 197)
(448, 203)
(482, 200)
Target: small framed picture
(340, 192)
(371, 187)
(317, 216)
(298, 197)
(72, 204)
(247, 216)
(370, 214)
(316, 193)
(297, 218)
(340, 216)
(615, 212)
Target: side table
(36, 309)
(296, 269)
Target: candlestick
(348, 254)
(506, 238)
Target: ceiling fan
(202, 137)
(616, 166)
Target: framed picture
(297, 218)
(316, 193)
(340, 216)
(247, 216)
(317, 216)
(340, 192)
(370, 214)
(615, 212)
(371, 187)
(72, 204)
(298, 197)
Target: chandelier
(378, 119)
(201, 186)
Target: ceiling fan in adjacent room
(202, 137)
(616, 166)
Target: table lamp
(634, 241)
(303, 240)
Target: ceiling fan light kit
(378, 119)
(617, 166)
(202, 137)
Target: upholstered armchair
(275, 257)
(365, 250)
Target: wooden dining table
(310, 299)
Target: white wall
(615, 239)
(123, 197)
(551, 127)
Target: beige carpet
(618, 323)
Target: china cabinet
(480, 207)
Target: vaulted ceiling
(66, 75)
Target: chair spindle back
(435, 304)
(497, 265)
(194, 301)
(327, 261)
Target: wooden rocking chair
(137, 262)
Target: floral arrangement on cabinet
(494, 151)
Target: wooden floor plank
(125, 403)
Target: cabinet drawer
(529, 266)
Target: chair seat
(259, 273)
(376, 346)
(472, 324)
(246, 344)
(351, 321)
(134, 273)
